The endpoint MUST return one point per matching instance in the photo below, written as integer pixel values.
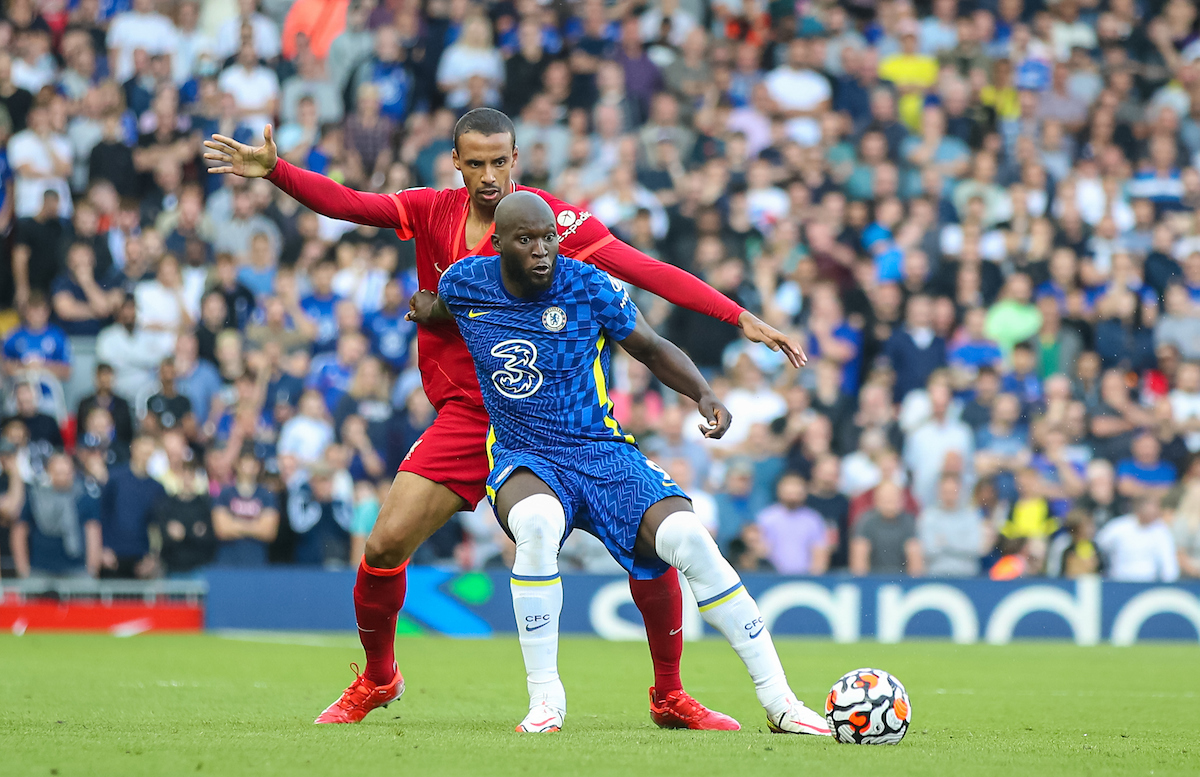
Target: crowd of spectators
(979, 216)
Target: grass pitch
(169, 705)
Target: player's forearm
(677, 286)
(676, 371)
(329, 198)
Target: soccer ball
(868, 707)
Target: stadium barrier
(120, 607)
(846, 609)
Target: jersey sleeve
(329, 198)
(611, 305)
(450, 286)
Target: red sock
(378, 597)
(661, 606)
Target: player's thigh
(414, 509)
(521, 484)
(653, 518)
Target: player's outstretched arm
(315, 192)
(681, 288)
(679, 373)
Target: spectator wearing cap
(320, 517)
(126, 508)
(951, 533)
(58, 532)
(885, 540)
(245, 517)
(796, 536)
(37, 344)
(1140, 547)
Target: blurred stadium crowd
(978, 215)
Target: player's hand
(240, 159)
(420, 307)
(717, 415)
(758, 331)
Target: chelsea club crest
(554, 319)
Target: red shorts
(452, 451)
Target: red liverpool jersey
(437, 221)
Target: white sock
(724, 603)
(537, 524)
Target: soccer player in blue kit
(539, 327)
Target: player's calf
(537, 524)
(685, 544)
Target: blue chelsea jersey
(542, 362)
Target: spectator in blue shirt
(391, 334)
(1146, 474)
(320, 306)
(246, 516)
(331, 373)
(832, 337)
(36, 343)
(126, 509)
(58, 532)
(916, 350)
(1023, 380)
(972, 349)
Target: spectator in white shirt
(800, 93)
(193, 43)
(309, 433)
(161, 308)
(472, 55)
(142, 28)
(41, 162)
(134, 353)
(255, 89)
(681, 23)
(1140, 547)
(265, 33)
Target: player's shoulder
(469, 270)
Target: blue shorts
(604, 487)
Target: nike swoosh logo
(756, 633)
(535, 628)
(543, 722)
(673, 632)
(477, 314)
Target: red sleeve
(329, 198)
(584, 237)
(676, 286)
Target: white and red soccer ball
(868, 707)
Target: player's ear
(496, 242)
(514, 156)
(455, 160)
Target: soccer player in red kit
(447, 467)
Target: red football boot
(360, 698)
(680, 710)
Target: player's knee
(681, 541)
(537, 524)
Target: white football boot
(542, 719)
(798, 719)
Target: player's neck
(517, 285)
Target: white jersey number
(519, 377)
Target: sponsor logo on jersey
(571, 222)
(554, 318)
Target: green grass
(166, 705)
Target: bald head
(521, 207)
(527, 240)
